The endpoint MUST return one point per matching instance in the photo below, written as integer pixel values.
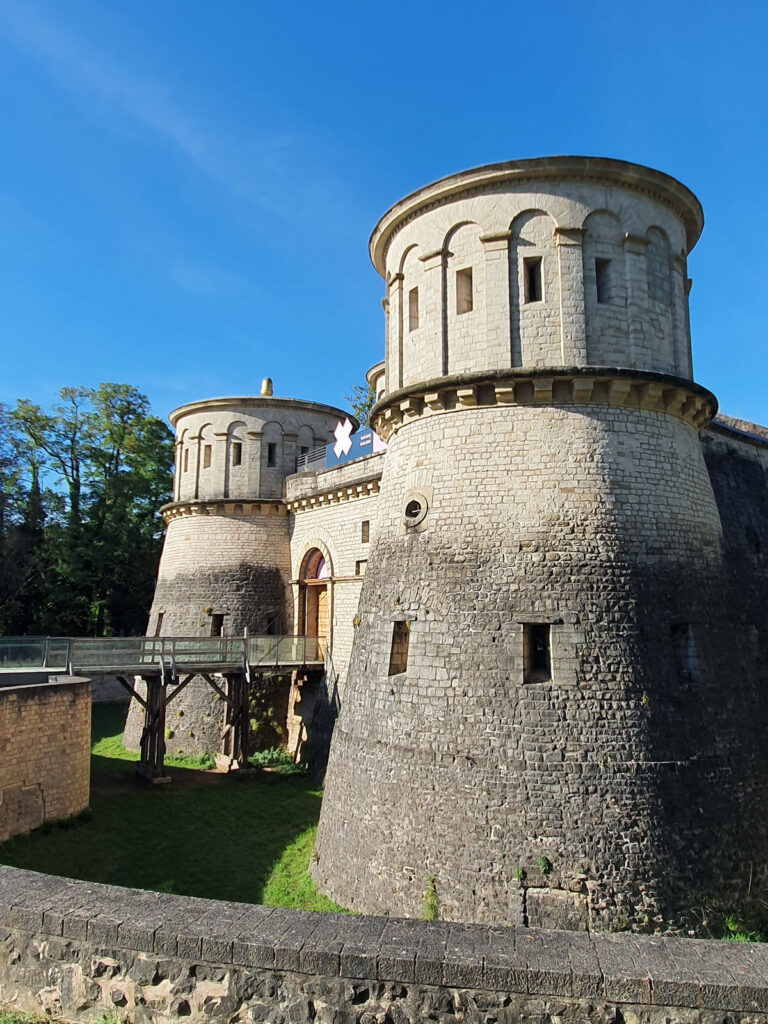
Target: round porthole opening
(413, 509)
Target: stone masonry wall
(641, 320)
(634, 774)
(45, 741)
(334, 523)
(327, 512)
(236, 566)
(233, 565)
(222, 445)
(80, 950)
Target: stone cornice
(335, 496)
(257, 403)
(557, 386)
(515, 174)
(223, 507)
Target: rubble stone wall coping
(644, 971)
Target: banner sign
(349, 446)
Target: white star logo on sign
(343, 440)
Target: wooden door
(322, 616)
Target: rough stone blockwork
(77, 950)
(555, 708)
(45, 733)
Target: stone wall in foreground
(45, 748)
(78, 950)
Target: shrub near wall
(45, 737)
(78, 950)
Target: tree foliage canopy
(80, 488)
(361, 401)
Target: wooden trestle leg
(152, 762)
(235, 732)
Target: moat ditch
(246, 839)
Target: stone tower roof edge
(637, 177)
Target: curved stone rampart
(595, 524)
(78, 950)
(556, 694)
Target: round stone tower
(527, 733)
(226, 564)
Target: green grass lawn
(246, 839)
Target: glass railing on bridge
(34, 653)
(137, 655)
(264, 651)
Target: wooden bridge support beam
(152, 760)
(235, 731)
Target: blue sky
(187, 188)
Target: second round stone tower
(226, 565)
(536, 649)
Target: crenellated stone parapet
(556, 386)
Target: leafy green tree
(92, 538)
(361, 401)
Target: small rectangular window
(413, 309)
(206, 456)
(365, 531)
(217, 625)
(237, 453)
(361, 566)
(272, 453)
(186, 459)
(537, 657)
(398, 658)
(532, 272)
(603, 280)
(464, 298)
(684, 648)
(159, 623)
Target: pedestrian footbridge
(165, 666)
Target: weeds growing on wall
(268, 710)
(431, 907)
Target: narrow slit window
(413, 309)
(186, 459)
(684, 648)
(365, 531)
(398, 658)
(464, 297)
(237, 453)
(603, 280)
(217, 625)
(532, 270)
(537, 655)
(272, 453)
(206, 456)
(159, 623)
